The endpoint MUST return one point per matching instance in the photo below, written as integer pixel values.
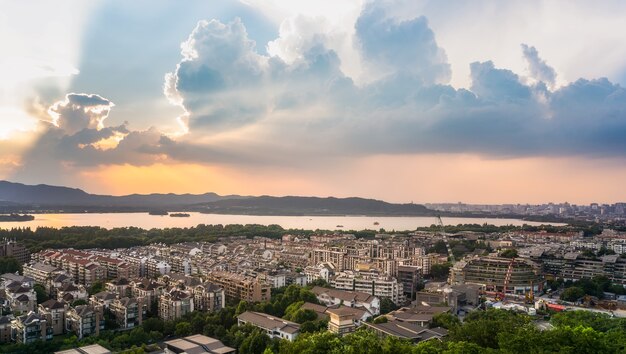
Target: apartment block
(84, 320)
(237, 286)
(208, 297)
(128, 312)
(30, 328)
(174, 304)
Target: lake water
(146, 221)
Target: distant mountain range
(17, 197)
(266, 205)
(45, 195)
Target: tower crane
(507, 280)
(442, 231)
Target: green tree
(255, 343)
(386, 305)
(304, 315)
(153, 324)
(96, 288)
(42, 294)
(572, 294)
(445, 320)
(380, 319)
(242, 307)
(10, 265)
(183, 329)
(509, 253)
(440, 271)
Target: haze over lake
(146, 221)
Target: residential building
(128, 312)
(419, 315)
(344, 320)
(410, 277)
(407, 331)
(11, 248)
(197, 344)
(88, 349)
(84, 320)
(54, 313)
(72, 292)
(20, 296)
(242, 287)
(499, 275)
(174, 304)
(371, 283)
(5, 328)
(274, 327)
(42, 273)
(335, 297)
(208, 297)
(30, 328)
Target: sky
(404, 101)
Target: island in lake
(180, 215)
(16, 217)
(157, 212)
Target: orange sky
(406, 178)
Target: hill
(292, 205)
(16, 197)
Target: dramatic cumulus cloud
(299, 96)
(80, 111)
(293, 104)
(538, 68)
(409, 46)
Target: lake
(146, 221)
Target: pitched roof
(53, 304)
(344, 295)
(408, 330)
(264, 320)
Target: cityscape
(312, 177)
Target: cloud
(393, 45)
(80, 111)
(538, 68)
(219, 62)
(294, 106)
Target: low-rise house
(30, 328)
(274, 327)
(405, 330)
(84, 320)
(8, 278)
(344, 320)
(419, 315)
(88, 349)
(57, 283)
(197, 344)
(334, 297)
(148, 289)
(20, 296)
(72, 292)
(103, 298)
(120, 286)
(128, 312)
(54, 313)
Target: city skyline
(401, 101)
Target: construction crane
(507, 280)
(530, 294)
(442, 231)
